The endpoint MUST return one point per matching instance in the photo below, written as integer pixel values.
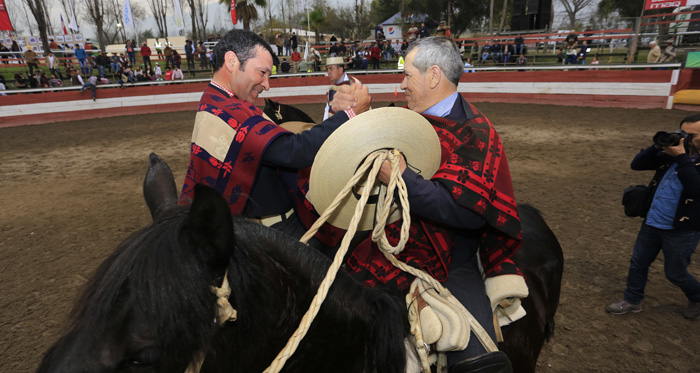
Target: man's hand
(385, 172)
(676, 150)
(355, 96)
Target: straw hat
(335, 61)
(344, 150)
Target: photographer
(672, 224)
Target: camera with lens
(663, 138)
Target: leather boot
(492, 362)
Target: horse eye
(143, 358)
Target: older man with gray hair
(467, 210)
(654, 52)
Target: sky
(218, 16)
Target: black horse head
(281, 113)
(149, 306)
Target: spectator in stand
(159, 49)
(168, 53)
(90, 83)
(467, 65)
(177, 73)
(146, 55)
(44, 81)
(4, 54)
(404, 46)
(521, 61)
(581, 57)
(485, 53)
(52, 62)
(342, 49)
(595, 62)
(561, 56)
(131, 52)
(148, 75)
(507, 51)
(177, 59)
(294, 41)
(669, 53)
(102, 62)
(138, 74)
(519, 44)
(306, 66)
(189, 55)
(20, 82)
(570, 56)
(285, 66)
(287, 46)
(157, 72)
(114, 63)
(333, 50)
(571, 40)
(15, 48)
(53, 46)
(412, 33)
(357, 62)
(34, 80)
(168, 74)
(375, 54)
(124, 60)
(55, 82)
(654, 52)
(278, 44)
(423, 31)
(296, 58)
(32, 60)
(202, 51)
(496, 52)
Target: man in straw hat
(31, 57)
(467, 205)
(669, 53)
(251, 161)
(335, 68)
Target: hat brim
(344, 150)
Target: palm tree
(316, 20)
(246, 10)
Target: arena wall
(644, 89)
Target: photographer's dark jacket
(688, 210)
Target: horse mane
(143, 273)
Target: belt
(270, 220)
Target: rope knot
(224, 311)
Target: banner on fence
(5, 24)
(659, 4)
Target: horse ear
(159, 186)
(211, 226)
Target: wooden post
(635, 39)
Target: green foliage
(146, 34)
(626, 8)
(246, 10)
(465, 13)
(381, 10)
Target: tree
(315, 21)
(572, 8)
(37, 8)
(464, 13)
(96, 15)
(159, 9)
(245, 10)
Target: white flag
(128, 17)
(306, 51)
(178, 15)
(72, 24)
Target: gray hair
(440, 51)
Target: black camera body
(663, 138)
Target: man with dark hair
(250, 160)
(466, 211)
(189, 54)
(672, 224)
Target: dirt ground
(70, 192)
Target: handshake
(355, 96)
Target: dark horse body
(149, 306)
